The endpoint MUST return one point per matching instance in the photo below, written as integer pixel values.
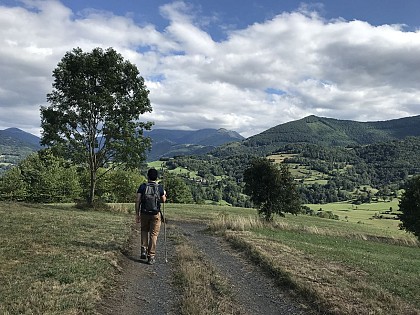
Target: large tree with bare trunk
(94, 112)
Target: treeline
(384, 166)
(217, 180)
(43, 177)
(323, 131)
(11, 155)
(358, 174)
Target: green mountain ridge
(324, 131)
(168, 143)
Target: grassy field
(58, 260)
(340, 267)
(366, 214)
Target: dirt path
(138, 282)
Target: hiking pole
(164, 233)
(164, 219)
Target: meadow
(356, 265)
(55, 259)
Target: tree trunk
(92, 186)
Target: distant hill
(15, 145)
(17, 137)
(326, 132)
(169, 143)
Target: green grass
(364, 214)
(58, 260)
(179, 170)
(55, 260)
(156, 164)
(393, 268)
(346, 266)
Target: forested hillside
(325, 132)
(331, 160)
(15, 145)
(169, 143)
(323, 173)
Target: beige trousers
(150, 227)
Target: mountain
(221, 142)
(168, 143)
(17, 137)
(15, 145)
(326, 132)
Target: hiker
(148, 214)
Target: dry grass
(235, 223)
(56, 261)
(203, 291)
(242, 223)
(331, 285)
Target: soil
(140, 283)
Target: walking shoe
(151, 260)
(143, 254)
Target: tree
(271, 188)
(410, 207)
(12, 185)
(176, 189)
(41, 177)
(93, 117)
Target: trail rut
(139, 283)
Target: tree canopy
(271, 188)
(94, 111)
(177, 190)
(41, 177)
(410, 207)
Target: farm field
(56, 259)
(366, 214)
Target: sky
(242, 65)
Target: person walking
(150, 195)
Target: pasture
(55, 259)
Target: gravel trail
(138, 282)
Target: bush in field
(176, 189)
(114, 185)
(410, 207)
(271, 188)
(41, 177)
(12, 186)
(124, 184)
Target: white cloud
(336, 68)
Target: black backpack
(150, 199)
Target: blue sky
(242, 65)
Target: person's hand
(137, 218)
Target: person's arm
(163, 197)
(138, 200)
(163, 194)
